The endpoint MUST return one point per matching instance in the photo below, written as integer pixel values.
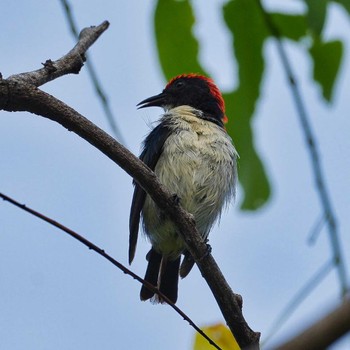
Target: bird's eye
(179, 84)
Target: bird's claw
(208, 250)
(176, 199)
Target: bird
(194, 157)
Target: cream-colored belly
(198, 164)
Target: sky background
(55, 293)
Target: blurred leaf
(247, 26)
(345, 3)
(316, 14)
(290, 26)
(220, 334)
(178, 53)
(326, 58)
(177, 47)
(252, 175)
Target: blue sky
(56, 294)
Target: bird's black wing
(152, 149)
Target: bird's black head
(193, 90)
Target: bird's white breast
(198, 164)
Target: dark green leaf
(326, 58)
(316, 15)
(178, 53)
(290, 26)
(245, 21)
(345, 3)
(177, 46)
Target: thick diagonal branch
(20, 93)
(25, 97)
(324, 332)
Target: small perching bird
(193, 156)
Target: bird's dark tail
(162, 273)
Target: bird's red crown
(214, 90)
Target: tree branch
(100, 92)
(20, 93)
(116, 263)
(324, 332)
(311, 144)
(71, 63)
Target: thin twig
(102, 95)
(316, 229)
(297, 299)
(101, 252)
(23, 96)
(314, 154)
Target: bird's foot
(176, 199)
(208, 250)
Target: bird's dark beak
(157, 100)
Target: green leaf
(177, 46)
(316, 15)
(245, 21)
(293, 27)
(178, 53)
(326, 58)
(345, 3)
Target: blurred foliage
(344, 3)
(316, 14)
(327, 58)
(241, 103)
(220, 334)
(178, 51)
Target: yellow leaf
(220, 334)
